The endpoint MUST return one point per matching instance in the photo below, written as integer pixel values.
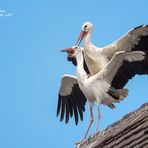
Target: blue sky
(32, 66)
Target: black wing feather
(71, 104)
(59, 104)
(78, 104)
(67, 111)
(142, 44)
(70, 107)
(128, 70)
(63, 109)
(75, 109)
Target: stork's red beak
(80, 38)
(68, 50)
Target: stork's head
(86, 28)
(73, 51)
(77, 51)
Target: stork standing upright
(95, 88)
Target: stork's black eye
(85, 26)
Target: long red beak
(80, 38)
(71, 50)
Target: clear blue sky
(32, 66)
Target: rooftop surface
(129, 132)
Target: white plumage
(96, 58)
(97, 86)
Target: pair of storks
(102, 73)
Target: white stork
(74, 91)
(96, 58)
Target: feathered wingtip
(123, 93)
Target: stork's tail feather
(115, 96)
(123, 93)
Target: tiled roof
(129, 132)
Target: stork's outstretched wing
(71, 99)
(134, 40)
(123, 66)
(128, 70)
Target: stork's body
(98, 86)
(89, 85)
(95, 88)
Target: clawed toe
(96, 134)
(80, 141)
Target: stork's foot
(80, 141)
(96, 134)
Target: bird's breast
(94, 89)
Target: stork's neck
(81, 74)
(87, 41)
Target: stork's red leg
(91, 121)
(99, 115)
